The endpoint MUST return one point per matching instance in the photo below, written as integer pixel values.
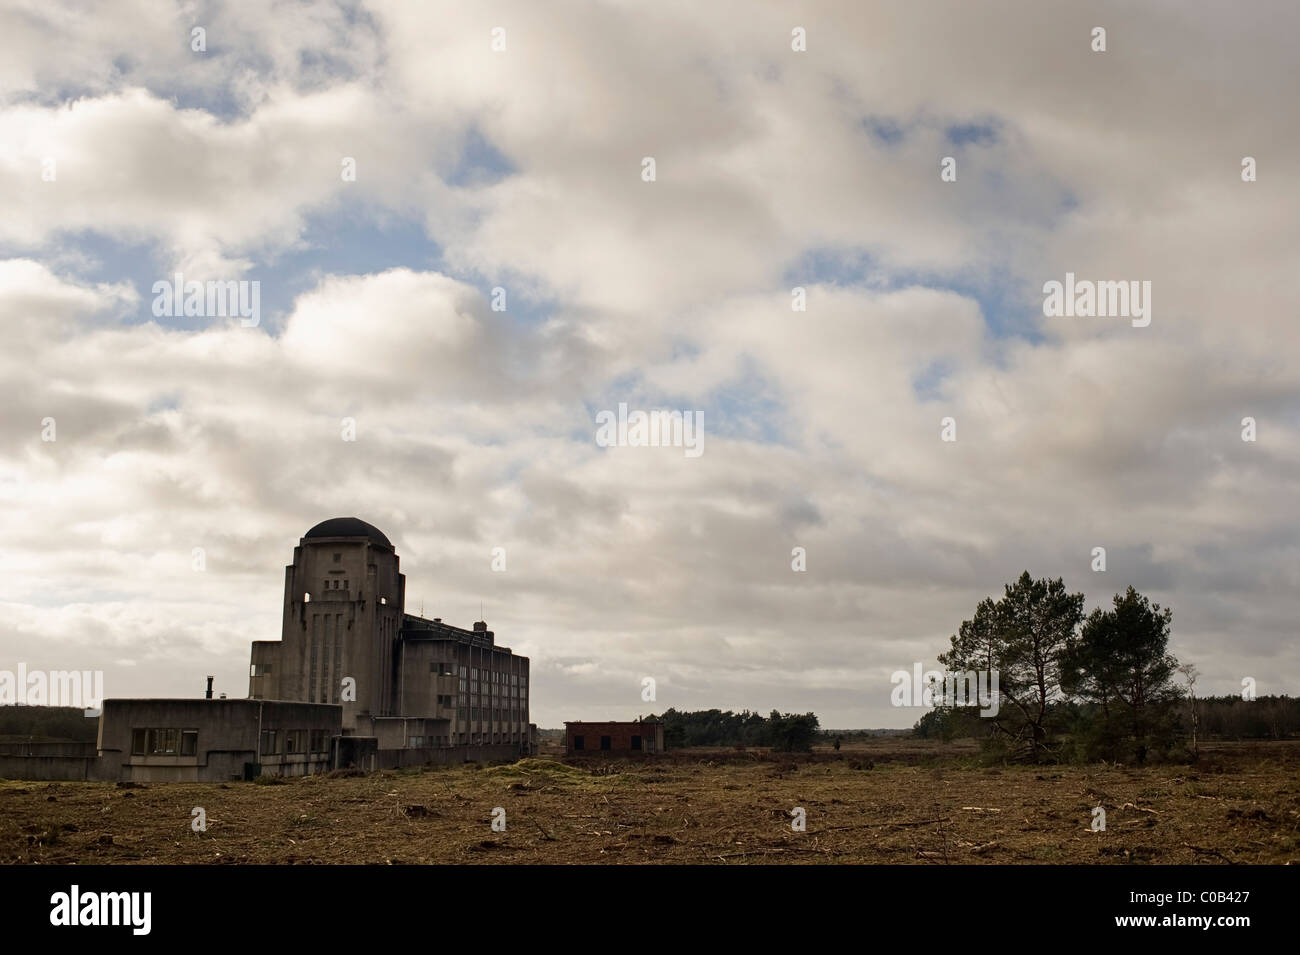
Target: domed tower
(343, 600)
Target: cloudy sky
(127, 156)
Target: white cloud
(822, 427)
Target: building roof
(349, 527)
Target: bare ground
(892, 801)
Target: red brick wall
(620, 737)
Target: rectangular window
(319, 741)
(604, 742)
(269, 747)
(189, 742)
(162, 742)
(578, 742)
(636, 742)
(295, 741)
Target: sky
(794, 146)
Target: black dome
(349, 527)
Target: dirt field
(895, 801)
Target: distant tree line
(1101, 686)
(789, 732)
(54, 723)
(1231, 717)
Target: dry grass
(918, 803)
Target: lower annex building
(353, 681)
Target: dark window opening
(605, 742)
(636, 742)
(578, 742)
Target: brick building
(619, 739)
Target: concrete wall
(397, 758)
(59, 768)
(228, 744)
(396, 732)
(351, 621)
(23, 748)
(264, 670)
(228, 737)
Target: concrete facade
(635, 738)
(353, 681)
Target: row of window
(480, 714)
(474, 739)
(168, 741)
(332, 583)
(580, 742)
(164, 741)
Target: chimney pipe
(208, 694)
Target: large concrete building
(353, 681)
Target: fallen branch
(1209, 852)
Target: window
(157, 742)
(415, 742)
(189, 742)
(319, 741)
(636, 742)
(269, 747)
(306, 598)
(444, 700)
(337, 558)
(295, 741)
(604, 742)
(578, 742)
